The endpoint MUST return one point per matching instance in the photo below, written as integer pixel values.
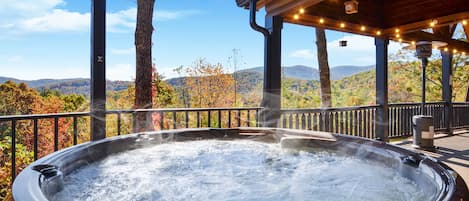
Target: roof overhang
(400, 20)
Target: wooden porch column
(272, 71)
(447, 72)
(98, 70)
(382, 113)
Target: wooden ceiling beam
(424, 24)
(280, 7)
(331, 24)
(424, 36)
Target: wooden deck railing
(356, 121)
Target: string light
(378, 32)
(302, 10)
(463, 53)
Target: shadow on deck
(452, 150)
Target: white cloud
(164, 15)
(167, 72)
(57, 20)
(120, 72)
(122, 20)
(32, 16)
(129, 51)
(27, 7)
(303, 54)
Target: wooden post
(446, 61)
(272, 71)
(382, 113)
(98, 69)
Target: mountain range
(246, 77)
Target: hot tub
(237, 164)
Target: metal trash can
(423, 132)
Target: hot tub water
(234, 170)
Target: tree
(324, 75)
(144, 65)
(209, 85)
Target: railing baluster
(198, 119)
(321, 121)
(290, 120)
(297, 120)
(229, 118)
(249, 118)
(175, 120)
(75, 130)
(326, 121)
(35, 133)
(359, 123)
(13, 150)
(355, 123)
(257, 117)
(119, 119)
(315, 122)
(341, 123)
(336, 124)
(303, 121)
(347, 121)
(219, 118)
(239, 118)
(56, 133)
(187, 118)
(209, 123)
(309, 122)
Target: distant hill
(246, 79)
(307, 73)
(68, 86)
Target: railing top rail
(79, 114)
(461, 103)
(331, 109)
(415, 104)
(42, 116)
(180, 109)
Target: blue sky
(51, 38)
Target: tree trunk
(143, 76)
(324, 74)
(467, 93)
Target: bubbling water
(234, 170)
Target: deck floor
(452, 150)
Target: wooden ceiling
(378, 18)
